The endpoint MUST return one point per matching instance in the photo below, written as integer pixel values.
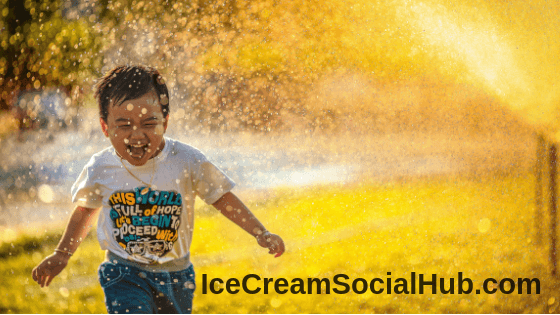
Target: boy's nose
(137, 134)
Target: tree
(40, 47)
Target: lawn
(482, 228)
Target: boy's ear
(104, 127)
(165, 123)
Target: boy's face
(136, 128)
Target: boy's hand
(49, 268)
(273, 242)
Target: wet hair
(125, 83)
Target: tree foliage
(40, 47)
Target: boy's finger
(271, 248)
(44, 280)
(49, 281)
(34, 274)
(282, 247)
(280, 250)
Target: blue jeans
(132, 290)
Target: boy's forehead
(148, 98)
(146, 104)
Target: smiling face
(136, 128)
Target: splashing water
(502, 58)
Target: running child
(144, 188)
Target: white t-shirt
(155, 227)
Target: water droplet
(229, 208)
(275, 302)
(46, 193)
(130, 107)
(64, 292)
(144, 111)
(551, 301)
(180, 113)
(9, 234)
(484, 225)
(37, 257)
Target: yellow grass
(483, 228)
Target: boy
(145, 186)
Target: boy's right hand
(49, 268)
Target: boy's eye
(124, 126)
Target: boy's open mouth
(137, 151)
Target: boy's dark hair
(125, 83)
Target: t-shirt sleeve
(209, 182)
(85, 191)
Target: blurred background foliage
(235, 65)
(41, 48)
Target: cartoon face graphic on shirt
(146, 225)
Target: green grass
(483, 228)
(74, 291)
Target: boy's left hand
(273, 242)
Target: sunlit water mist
(255, 162)
(482, 49)
(57, 162)
(60, 161)
(259, 163)
(490, 55)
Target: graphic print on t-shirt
(145, 225)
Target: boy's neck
(159, 149)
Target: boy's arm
(232, 208)
(76, 230)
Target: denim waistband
(178, 264)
